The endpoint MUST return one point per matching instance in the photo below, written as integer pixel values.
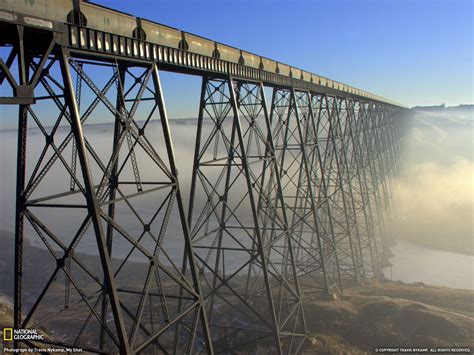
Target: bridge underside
(288, 197)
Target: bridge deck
(110, 33)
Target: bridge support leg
(189, 254)
(93, 205)
(336, 193)
(239, 223)
(23, 65)
(332, 194)
(349, 175)
(108, 261)
(361, 190)
(293, 171)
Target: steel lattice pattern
(287, 198)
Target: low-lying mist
(434, 195)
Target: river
(415, 263)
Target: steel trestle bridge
(289, 194)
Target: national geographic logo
(10, 334)
(7, 334)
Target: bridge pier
(241, 236)
(349, 240)
(295, 142)
(96, 290)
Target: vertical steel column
(93, 204)
(321, 189)
(365, 208)
(371, 175)
(113, 182)
(386, 158)
(346, 184)
(351, 268)
(195, 177)
(241, 309)
(188, 244)
(378, 185)
(322, 193)
(308, 180)
(292, 260)
(23, 68)
(294, 170)
(259, 241)
(191, 205)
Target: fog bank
(435, 192)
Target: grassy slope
(391, 314)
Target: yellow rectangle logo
(7, 334)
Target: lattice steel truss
(288, 198)
(127, 301)
(241, 236)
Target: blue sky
(417, 52)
